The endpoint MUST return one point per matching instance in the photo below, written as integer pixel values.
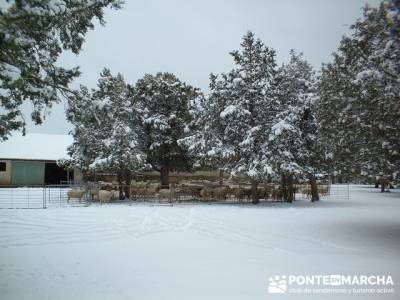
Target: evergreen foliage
(33, 34)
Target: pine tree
(339, 136)
(367, 72)
(33, 34)
(165, 103)
(84, 117)
(293, 147)
(208, 142)
(232, 121)
(107, 130)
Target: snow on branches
(33, 35)
(360, 105)
(106, 127)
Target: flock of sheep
(105, 192)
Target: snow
(230, 109)
(237, 81)
(243, 74)
(4, 5)
(11, 71)
(147, 251)
(365, 74)
(389, 44)
(36, 146)
(4, 92)
(252, 173)
(278, 128)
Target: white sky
(193, 38)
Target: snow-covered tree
(233, 120)
(208, 142)
(340, 137)
(33, 34)
(365, 99)
(293, 147)
(107, 132)
(165, 103)
(87, 145)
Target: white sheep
(76, 194)
(94, 193)
(166, 193)
(105, 196)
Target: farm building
(31, 160)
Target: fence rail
(38, 197)
(57, 195)
(22, 197)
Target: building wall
(5, 177)
(31, 172)
(27, 173)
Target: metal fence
(200, 192)
(339, 192)
(59, 195)
(22, 197)
(39, 197)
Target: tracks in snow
(91, 224)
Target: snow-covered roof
(35, 146)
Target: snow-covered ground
(147, 251)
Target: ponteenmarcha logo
(334, 283)
(277, 285)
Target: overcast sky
(193, 38)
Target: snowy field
(147, 251)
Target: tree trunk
(172, 194)
(128, 178)
(164, 174)
(377, 184)
(291, 191)
(314, 189)
(269, 180)
(119, 179)
(284, 191)
(383, 184)
(287, 188)
(221, 177)
(254, 193)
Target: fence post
(44, 196)
(348, 192)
